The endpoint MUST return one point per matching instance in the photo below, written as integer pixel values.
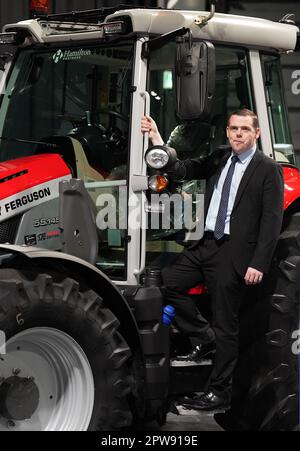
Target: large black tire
(265, 386)
(27, 301)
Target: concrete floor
(188, 420)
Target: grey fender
(22, 257)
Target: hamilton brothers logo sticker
(70, 55)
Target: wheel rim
(62, 373)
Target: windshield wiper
(27, 141)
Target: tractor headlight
(159, 157)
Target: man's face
(241, 134)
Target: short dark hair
(246, 112)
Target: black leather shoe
(203, 351)
(198, 354)
(207, 402)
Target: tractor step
(177, 362)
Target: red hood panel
(28, 172)
(291, 177)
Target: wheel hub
(19, 398)
(47, 383)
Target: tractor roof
(240, 30)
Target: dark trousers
(210, 261)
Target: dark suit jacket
(256, 218)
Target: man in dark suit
(243, 217)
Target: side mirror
(195, 79)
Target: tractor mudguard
(83, 272)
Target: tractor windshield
(79, 99)
(64, 91)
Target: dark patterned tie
(222, 213)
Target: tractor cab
(81, 84)
(77, 176)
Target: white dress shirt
(240, 168)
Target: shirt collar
(247, 155)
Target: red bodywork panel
(28, 172)
(291, 177)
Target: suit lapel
(214, 179)
(256, 160)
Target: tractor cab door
(191, 138)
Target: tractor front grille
(8, 230)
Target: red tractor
(80, 303)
